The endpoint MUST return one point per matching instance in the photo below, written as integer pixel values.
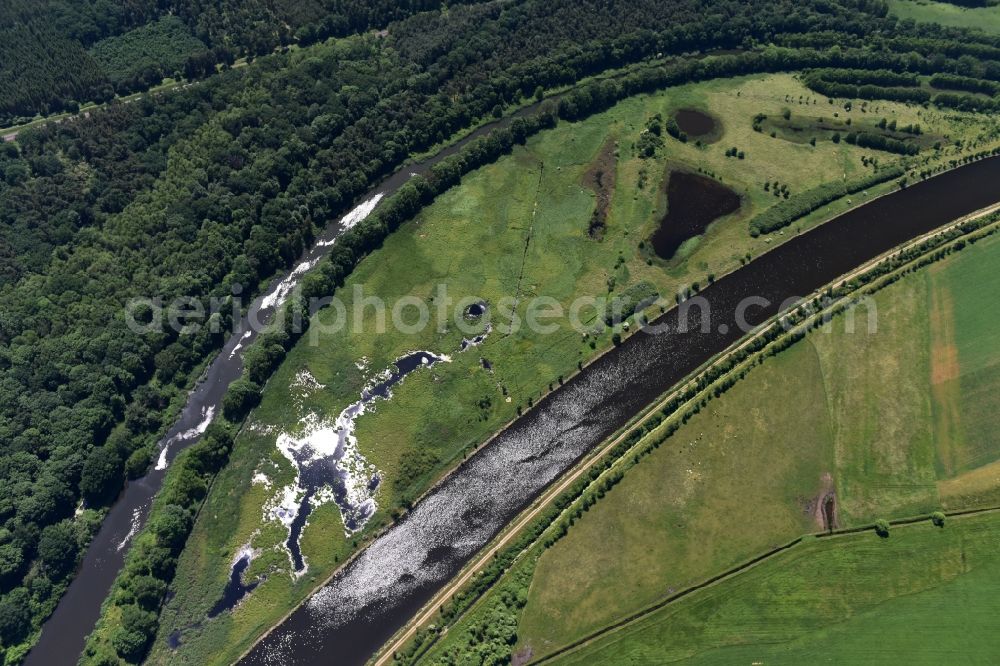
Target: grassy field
(986, 19)
(854, 414)
(515, 228)
(924, 595)
(889, 416)
(721, 490)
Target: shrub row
(966, 102)
(881, 142)
(865, 84)
(860, 77)
(965, 83)
(787, 211)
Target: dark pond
(694, 123)
(475, 311)
(365, 603)
(693, 202)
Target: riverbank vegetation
(539, 198)
(878, 449)
(130, 613)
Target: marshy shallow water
(329, 464)
(236, 588)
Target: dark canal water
(347, 621)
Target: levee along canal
(346, 621)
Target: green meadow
(986, 19)
(519, 229)
(924, 595)
(892, 423)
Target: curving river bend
(365, 603)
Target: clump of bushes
(634, 298)
(651, 138)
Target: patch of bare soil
(945, 371)
(600, 178)
(823, 505)
(521, 657)
(944, 351)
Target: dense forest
(56, 54)
(193, 191)
(143, 57)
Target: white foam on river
(133, 528)
(362, 211)
(285, 287)
(206, 418)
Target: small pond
(693, 202)
(696, 124)
(236, 589)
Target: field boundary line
(745, 566)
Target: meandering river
(365, 603)
(64, 633)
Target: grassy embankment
(473, 240)
(986, 19)
(894, 423)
